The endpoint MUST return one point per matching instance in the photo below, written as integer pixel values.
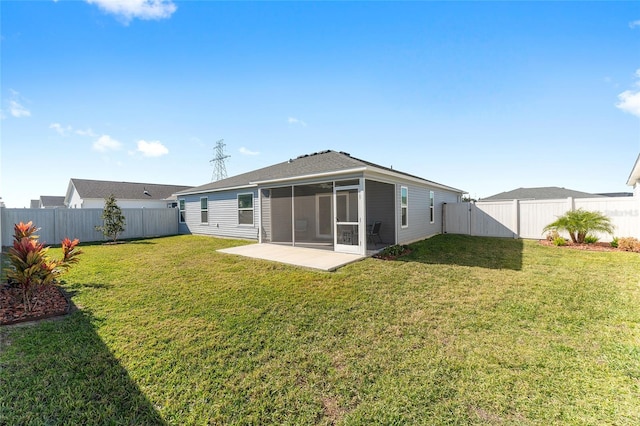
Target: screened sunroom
(335, 215)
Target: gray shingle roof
(125, 190)
(317, 163)
(52, 201)
(542, 193)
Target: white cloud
(17, 110)
(106, 143)
(62, 131)
(630, 99)
(127, 10)
(152, 149)
(245, 151)
(87, 132)
(293, 120)
(634, 24)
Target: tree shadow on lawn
(61, 372)
(464, 250)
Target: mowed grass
(463, 331)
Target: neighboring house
(634, 178)
(83, 193)
(326, 199)
(49, 202)
(542, 193)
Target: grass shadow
(465, 250)
(61, 372)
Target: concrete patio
(325, 260)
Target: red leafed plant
(30, 266)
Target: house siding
(419, 226)
(223, 215)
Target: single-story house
(634, 178)
(90, 194)
(48, 202)
(540, 193)
(326, 200)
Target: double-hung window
(432, 216)
(404, 206)
(183, 211)
(245, 209)
(204, 210)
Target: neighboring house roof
(542, 193)
(51, 201)
(635, 173)
(616, 194)
(124, 190)
(324, 163)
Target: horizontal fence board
(56, 224)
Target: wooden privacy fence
(527, 218)
(56, 224)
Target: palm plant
(579, 223)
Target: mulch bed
(599, 246)
(49, 301)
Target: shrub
(552, 235)
(578, 223)
(629, 244)
(614, 242)
(30, 267)
(591, 239)
(393, 251)
(559, 241)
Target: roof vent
(145, 192)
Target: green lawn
(463, 331)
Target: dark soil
(590, 247)
(49, 301)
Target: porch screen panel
(281, 215)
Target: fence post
(572, 204)
(516, 218)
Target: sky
(481, 96)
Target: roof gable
(99, 189)
(324, 162)
(635, 173)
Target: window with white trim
(404, 206)
(245, 209)
(183, 211)
(432, 204)
(204, 210)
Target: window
(432, 217)
(204, 210)
(404, 206)
(245, 209)
(183, 212)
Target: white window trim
(202, 210)
(405, 206)
(432, 207)
(253, 215)
(182, 203)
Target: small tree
(114, 222)
(30, 267)
(579, 223)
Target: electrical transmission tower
(219, 167)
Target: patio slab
(324, 260)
